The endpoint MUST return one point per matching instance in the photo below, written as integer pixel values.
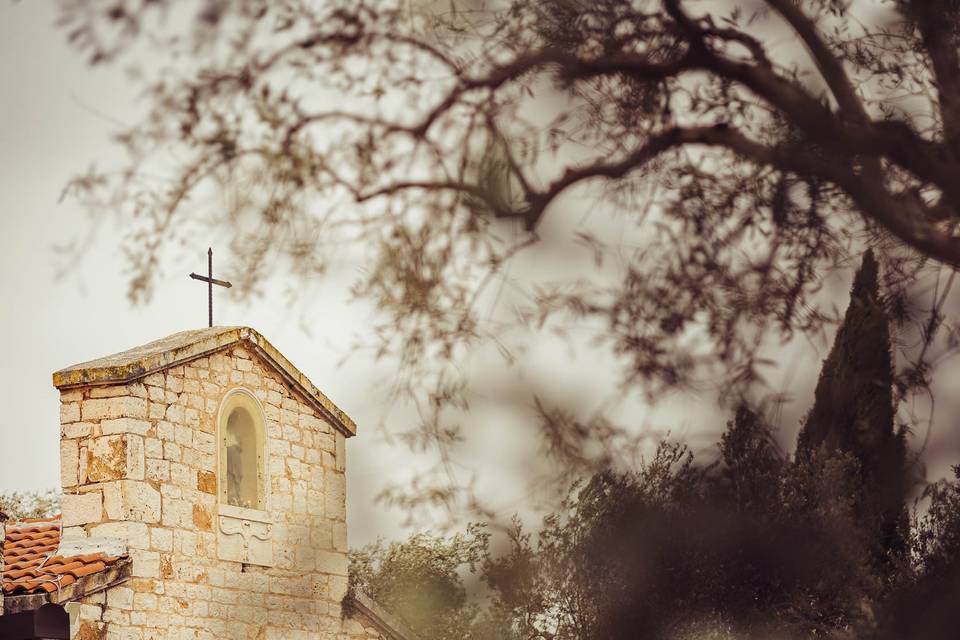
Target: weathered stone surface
(336, 495)
(332, 562)
(69, 463)
(82, 508)
(196, 574)
(77, 430)
(131, 500)
(114, 457)
(207, 482)
(116, 407)
(183, 347)
(202, 519)
(341, 452)
(69, 412)
(124, 425)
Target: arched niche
(244, 526)
(242, 444)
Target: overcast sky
(56, 116)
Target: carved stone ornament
(244, 535)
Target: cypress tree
(853, 411)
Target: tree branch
(830, 68)
(941, 46)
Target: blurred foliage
(752, 546)
(30, 504)
(418, 580)
(665, 179)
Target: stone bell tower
(220, 467)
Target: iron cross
(210, 280)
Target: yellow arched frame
(241, 451)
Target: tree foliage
(30, 504)
(755, 545)
(701, 167)
(854, 408)
(418, 580)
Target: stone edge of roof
(382, 619)
(99, 372)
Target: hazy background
(56, 116)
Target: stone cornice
(179, 348)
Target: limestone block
(118, 407)
(177, 513)
(124, 425)
(183, 435)
(72, 533)
(271, 412)
(120, 597)
(69, 463)
(153, 448)
(205, 442)
(156, 394)
(341, 452)
(336, 503)
(82, 508)
(202, 518)
(332, 562)
(161, 539)
(89, 611)
(74, 395)
(157, 410)
(155, 379)
(165, 430)
(146, 564)
(110, 392)
(77, 430)
(310, 421)
(340, 536)
(114, 457)
(175, 413)
(134, 534)
(207, 482)
(69, 412)
(337, 588)
(157, 470)
(131, 500)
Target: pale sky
(56, 117)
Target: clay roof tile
(30, 561)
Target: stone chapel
(204, 497)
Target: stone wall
(139, 461)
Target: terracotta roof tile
(31, 564)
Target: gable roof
(33, 564)
(182, 347)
